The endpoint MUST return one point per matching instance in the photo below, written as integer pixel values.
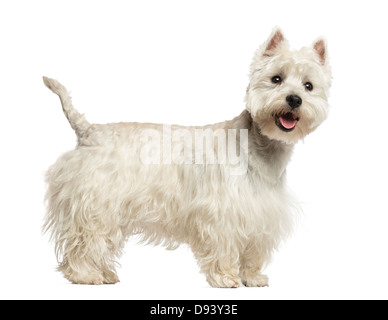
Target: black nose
(294, 101)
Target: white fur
(101, 193)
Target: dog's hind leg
(88, 259)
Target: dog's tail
(77, 120)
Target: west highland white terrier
(218, 188)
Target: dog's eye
(308, 86)
(276, 79)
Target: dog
(220, 188)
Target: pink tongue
(287, 122)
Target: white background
(187, 62)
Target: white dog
(219, 188)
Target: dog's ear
(320, 47)
(274, 42)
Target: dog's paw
(259, 280)
(92, 279)
(110, 277)
(97, 281)
(224, 281)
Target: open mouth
(286, 122)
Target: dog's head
(288, 90)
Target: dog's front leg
(252, 260)
(219, 261)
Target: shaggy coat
(233, 216)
